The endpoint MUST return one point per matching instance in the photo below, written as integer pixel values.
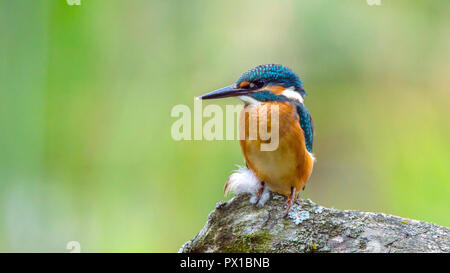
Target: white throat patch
(249, 100)
(291, 94)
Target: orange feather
(290, 164)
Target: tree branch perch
(238, 226)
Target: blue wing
(307, 125)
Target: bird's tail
(243, 180)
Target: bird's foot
(290, 202)
(260, 191)
(261, 196)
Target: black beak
(229, 91)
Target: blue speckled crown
(273, 73)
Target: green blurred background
(86, 93)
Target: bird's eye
(256, 85)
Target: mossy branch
(238, 226)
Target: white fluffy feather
(243, 180)
(312, 157)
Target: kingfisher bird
(288, 167)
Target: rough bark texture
(238, 226)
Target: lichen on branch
(238, 226)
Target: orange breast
(289, 164)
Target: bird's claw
(259, 193)
(289, 202)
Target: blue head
(272, 75)
(268, 82)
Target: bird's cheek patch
(276, 89)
